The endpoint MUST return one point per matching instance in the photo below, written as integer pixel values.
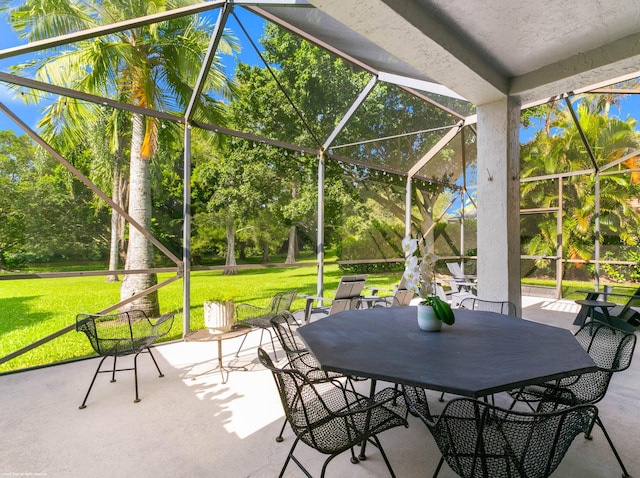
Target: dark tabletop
(483, 353)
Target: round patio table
(206, 335)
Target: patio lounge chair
(349, 288)
(628, 312)
(117, 335)
(260, 317)
(478, 439)
(333, 419)
(466, 282)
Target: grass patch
(35, 308)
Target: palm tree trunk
(115, 221)
(140, 250)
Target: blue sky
(30, 113)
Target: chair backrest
(478, 439)
(504, 307)
(350, 286)
(612, 351)
(439, 290)
(284, 325)
(632, 304)
(301, 400)
(282, 301)
(118, 334)
(455, 270)
(339, 305)
(403, 296)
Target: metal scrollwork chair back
(331, 418)
(480, 440)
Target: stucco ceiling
(486, 49)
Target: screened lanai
(426, 148)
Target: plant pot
(427, 319)
(218, 316)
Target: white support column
(499, 201)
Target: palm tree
(563, 151)
(153, 67)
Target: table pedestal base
(204, 335)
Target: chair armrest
(163, 324)
(248, 311)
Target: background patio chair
(458, 293)
(628, 312)
(479, 440)
(260, 317)
(400, 295)
(612, 351)
(466, 283)
(332, 419)
(349, 288)
(500, 306)
(117, 335)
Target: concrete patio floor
(192, 428)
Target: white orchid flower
(409, 245)
(411, 262)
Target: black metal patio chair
(298, 357)
(331, 418)
(504, 307)
(612, 351)
(117, 335)
(480, 440)
(260, 317)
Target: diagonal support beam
(345, 119)
(208, 59)
(436, 149)
(47, 147)
(108, 29)
(583, 136)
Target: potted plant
(218, 314)
(419, 276)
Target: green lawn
(35, 308)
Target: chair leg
(241, 344)
(273, 345)
(435, 473)
(92, 381)
(113, 373)
(135, 375)
(279, 438)
(625, 473)
(384, 455)
(160, 374)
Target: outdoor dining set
(515, 393)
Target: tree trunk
(292, 250)
(115, 221)
(140, 250)
(231, 249)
